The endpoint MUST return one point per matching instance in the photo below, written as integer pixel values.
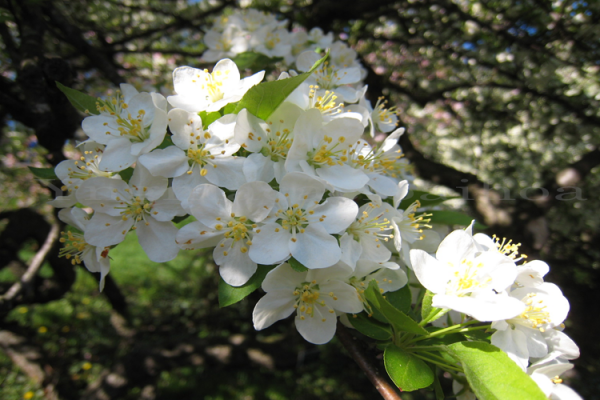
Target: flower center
(328, 153)
(73, 246)
(293, 219)
(509, 248)
(138, 208)
(238, 228)
(466, 279)
(368, 224)
(128, 126)
(308, 296)
(278, 143)
(378, 161)
(213, 83)
(201, 157)
(385, 115)
(535, 315)
(326, 104)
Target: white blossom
(315, 296)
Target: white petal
(169, 162)
(513, 343)
(283, 277)
(147, 185)
(183, 185)
(104, 230)
(236, 268)
(319, 328)
(254, 200)
(75, 217)
(158, 239)
(401, 193)
(207, 203)
(383, 185)
(96, 126)
(101, 194)
(298, 185)
(196, 235)
(270, 245)
(184, 124)
(455, 247)
(258, 168)
(482, 308)
(315, 248)
(345, 298)
(339, 213)
(343, 177)
(247, 131)
(117, 156)
(431, 273)
(271, 308)
(167, 207)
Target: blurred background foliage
(500, 101)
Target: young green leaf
(399, 321)
(492, 375)
(229, 295)
(370, 327)
(263, 99)
(167, 141)
(453, 218)
(252, 60)
(401, 299)
(43, 173)
(81, 101)
(126, 174)
(406, 371)
(209, 117)
(296, 265)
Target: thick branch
(34, 266)
(387, 391)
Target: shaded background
(500, 101)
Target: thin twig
(34, 265)
(387, 391)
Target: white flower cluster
(477, 276)
(306, 190)
(339, 80)
(260, 191)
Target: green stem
(438, 363)
(459, 328)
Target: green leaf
(126, 174)
(492, 375)
(43, 173)
(167, 141)
(230, 108)
(263, 99)
(81, 101)
(252, 60)
(370, 327)
(297, 265)
(429, 313)
(229, 295)
(425, 198)
(401, 299)
(426, 307)
(407, 371)
(209, 117)
(453, 218)
(399, 321)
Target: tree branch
(34, 266)
(387, 391)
